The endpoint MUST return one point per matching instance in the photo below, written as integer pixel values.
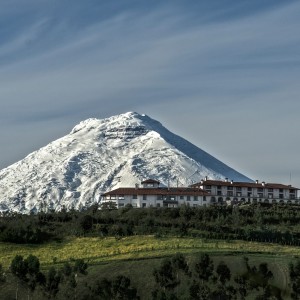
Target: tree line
(176, 277)
(261, 223)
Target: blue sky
(222, 74)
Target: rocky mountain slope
(100, 155)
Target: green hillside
(152, 254)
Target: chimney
(263, 183)
(136, 186)
(206, 178)
(256, 181)
(231, 181)
(226, 179)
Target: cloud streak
(235, 62)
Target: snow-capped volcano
(99, 155)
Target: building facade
(206, 192)
(152, 195)
(236, 192)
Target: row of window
(157, 205)
(196, 198)
(158, 197)
(260, 195)
(249, 189)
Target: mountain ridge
(99, 155)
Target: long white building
(232, 192)
(205, 192)
(151, 194)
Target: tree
(19, 267)
(265, 273)
(33, 265)
(199, 291)
(122, 289)
(165, 275)
(117, 288)
(204, 267)
(27, 271)
(86, 223)
(80, 266)
(67, 269)
(295, 279)
(109, 205)
(223, 272)
(2, 274)
(179, 263)
(53, 280)
(242, 286)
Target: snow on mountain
(100, 155)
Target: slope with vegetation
(247, 253)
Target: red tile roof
(150, 181)
(244, 184)
(158, 191)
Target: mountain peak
(102, 154)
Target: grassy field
(97, 250)
(137, 256)
(140, 271)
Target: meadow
(133, 243)
(96, 250)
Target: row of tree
(267, 223)
(175, 278)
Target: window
(238, 189)
(219, 193)
(270, 195)
(249, 189)
(280, 196)
(113, 197)
(144, 197)
(157, 204)
(159, 197)
(181, 197)
(121, 204)
(260, 189)
(195, 198)
(207, 188)
(230, 194)
(188, 198)
(134, 197)
(204, 198)
(219, 187)
(280, 190)
(249, 194)
(270, 190)
(121, 197)
(260, 195)
(144, 204)
(230, 188)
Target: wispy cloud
(60, 61)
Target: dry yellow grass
(104, 249)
